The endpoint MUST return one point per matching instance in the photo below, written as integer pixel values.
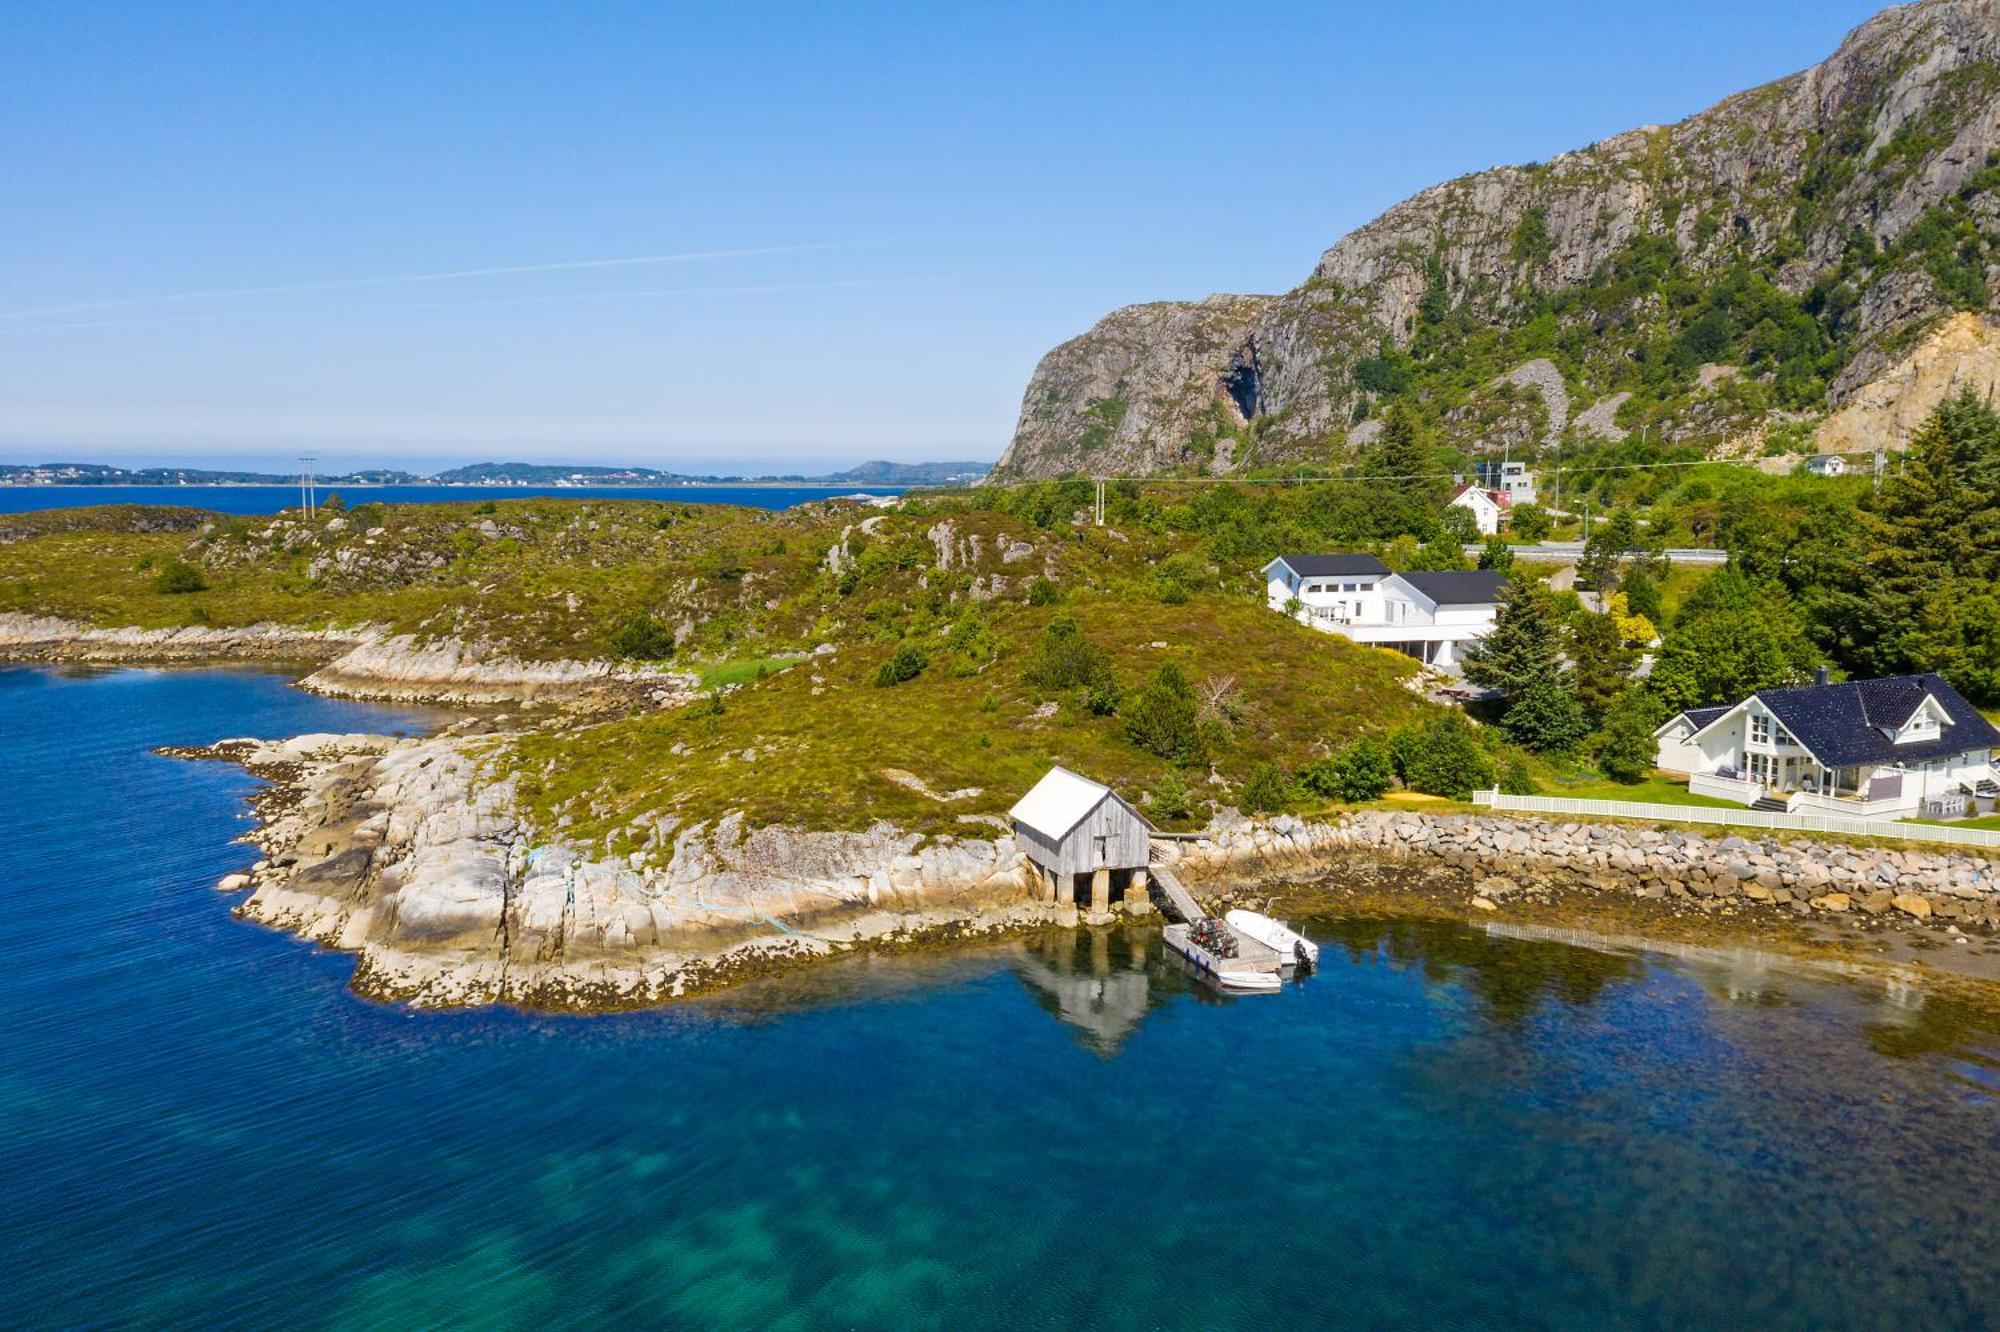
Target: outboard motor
(1301, 959)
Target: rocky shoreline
(410, 853)
(366, 662)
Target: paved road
(1567, 552)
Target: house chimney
(1823, 676)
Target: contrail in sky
(455, 275)
(215, 315)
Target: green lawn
(1989, 822)
(1654, 791)
(720, 675)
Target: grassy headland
(744, 597)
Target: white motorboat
(1275, 935)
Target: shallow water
(199, 1124)
(272, 499)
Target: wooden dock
(1180, 902)
(1255, 966)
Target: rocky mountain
(1753, 267)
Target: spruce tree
(1627, 750)
(1933, 552)
(1525, 644)
(1545, 717)
(1603, 664)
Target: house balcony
(1918, 795)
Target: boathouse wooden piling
(1088, 842)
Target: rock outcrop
(1132, 394)
(1863, 188)
(358, 663)
(410, 854)
(1963, 353)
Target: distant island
(878, 473)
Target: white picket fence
(1740, 818)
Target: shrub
(1043, 592)
(1162, 718)
(1065, 659)
(1441, 757)
(907, 662)
(1516, 777)
(1529, 522)
(1268, 789)
(973, 642)
(1362, 771)
(643, 638)
(1171, 799)
(1497, 555)
(177, 576)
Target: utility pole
(1098, 511)
(1880, 462)
(307, 497)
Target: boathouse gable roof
(1060, 801)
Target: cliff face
(1807, 232)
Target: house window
(1760, 729)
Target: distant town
(879, 473)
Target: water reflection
(1514, 976)
(1098, 983)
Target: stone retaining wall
(1802, 876)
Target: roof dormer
(1926, 723)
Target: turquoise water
(271, 499)
(200, 1125)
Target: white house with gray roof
(1905, 746)
(1429, 616)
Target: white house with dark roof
(1894, 748)
(1429, 616)
(1487, 507)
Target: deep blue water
(199, 1124)
(270, 499)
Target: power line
(1299, 479)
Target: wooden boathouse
(1088, 842)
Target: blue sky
(864, 223)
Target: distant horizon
(331, 463)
